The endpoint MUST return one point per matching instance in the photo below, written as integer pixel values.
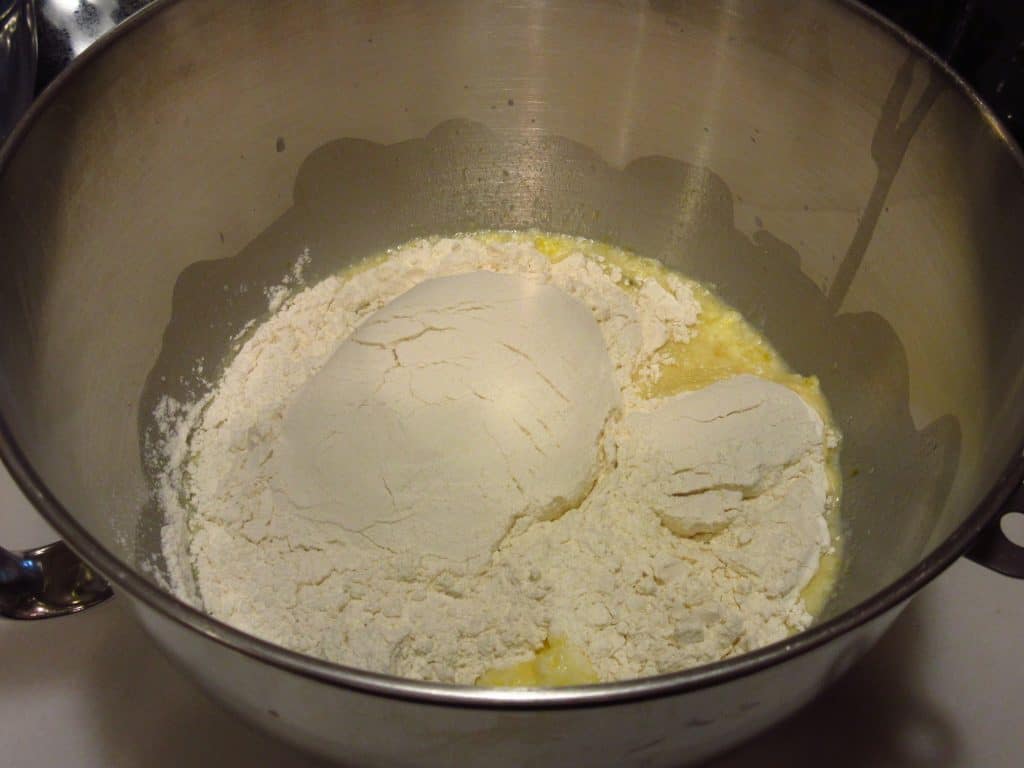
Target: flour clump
(444, 461)
(466, 403)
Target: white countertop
(944, 688)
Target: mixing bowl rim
(441, 694)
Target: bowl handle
(993, 548)
(46, 582)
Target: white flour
(449, 414)
(705, 521)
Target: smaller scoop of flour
(465, 403)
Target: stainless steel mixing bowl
(835, 183)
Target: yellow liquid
(818, 590)
(557, 663)
(722, 344)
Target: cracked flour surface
(432, 465)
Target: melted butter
(557, 663)
(722, 344)
(819, 589)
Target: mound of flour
(653, 534)
(466, 403)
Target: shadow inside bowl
(354, 199)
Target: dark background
(983, 40)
